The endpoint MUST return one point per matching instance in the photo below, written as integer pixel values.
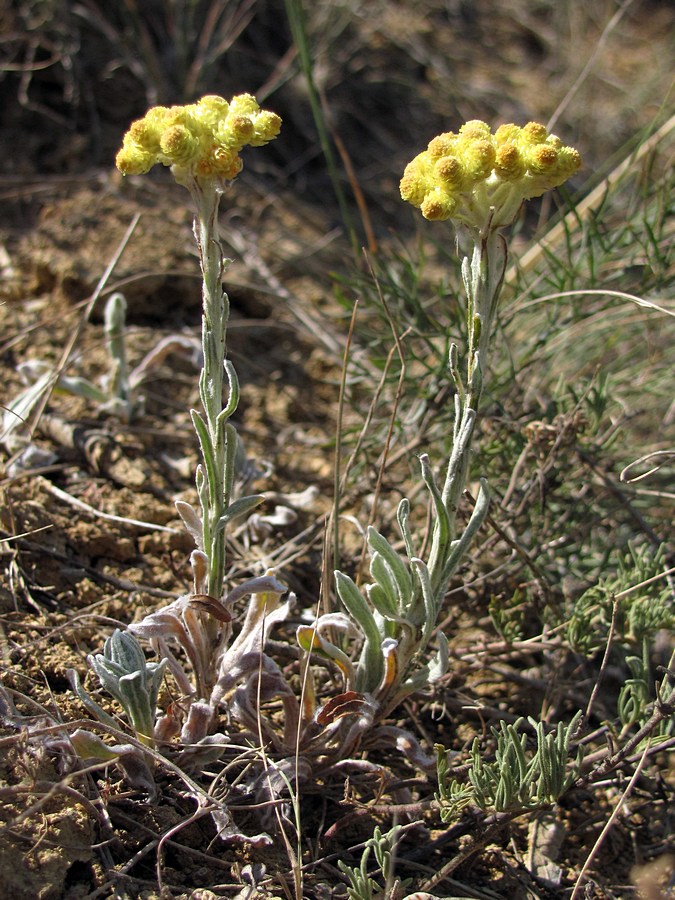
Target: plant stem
(218, 445)
(483, 276)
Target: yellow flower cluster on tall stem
(201, 143)
(467, 175)
(478, 180)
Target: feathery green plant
(382, 845)
(516, 780)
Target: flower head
(480, 179)
(200, 141)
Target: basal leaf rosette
(200, 141)
(480, 179)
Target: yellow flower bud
(534, 133)
(542, 159)
(180, 145)
(267, 127)
(413, 187)
(438, 205)
(241, 128)
(506, 134)
(199, 140)
(244, 105)
(479, 158)
(156, 115)
(569, 162)
(480, 179)
(145, 134)
(219, 162)
(227, 165)
(133, 160)
(451, 171)
(475, 129)
(443, 145)
(509, 163)
(211, 110)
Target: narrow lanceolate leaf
(402, 517)
(312, 641)
(80, 387)
(233, 392)
(90, 746)
(518, 749)
(442, 526)
(441, 662)
(356, 605)
(87, 701)
(207, 449)
(240, 508)
(461, 546)
(136, 702)
(384, 577)
(380, 544)
(229, 435)
(382, 601)
(371, 665)
(192, 521)
(430, 606)
(19, 410)
(123, 649)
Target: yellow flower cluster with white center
(476, 177)
(200, 140)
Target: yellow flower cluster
(475, 174)
(201, 140)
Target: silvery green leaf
(379, 544)
(109, 679)
(440, 663)
(455, 477)
(123, 649)
(442, 525)
(518, 743)
(227, 433)
(90, 746)
(80, 387)
(136, 701)
(381, 601)
(19, 409)
(402, 516)
(202, 489)
(206, 448)
(240, 508)
(461, 546)
(233, 392)
(384, 577)
(371, 665)
(191, 520)
(88, 702)
(429, 612)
